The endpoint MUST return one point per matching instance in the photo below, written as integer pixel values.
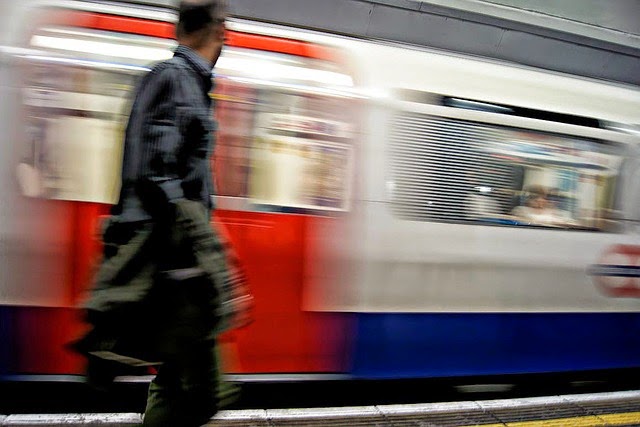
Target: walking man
(169, 139)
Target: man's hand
(159, 197)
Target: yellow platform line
(622, 419)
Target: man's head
(201, 26)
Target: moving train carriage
(498, 221)
(400, 212)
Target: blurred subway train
(401, 212)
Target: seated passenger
(540, 209)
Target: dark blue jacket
(169, 138)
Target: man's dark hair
(198, 15)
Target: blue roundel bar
(615, 270)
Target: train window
(458, 171)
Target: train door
(284, 169)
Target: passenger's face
(539, 202)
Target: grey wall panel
(622, 68)
(567, 57)
(433, 30)
(351, 17)
(404, 4)
(544, 52)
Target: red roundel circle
(617, 273)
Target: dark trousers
(189, 390)
(185, 392)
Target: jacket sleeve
(160, 141)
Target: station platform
(577, 410)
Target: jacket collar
(197, 62)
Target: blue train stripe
(410, 345)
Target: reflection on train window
(458, 171)
(235, 111)
(282, 151)
(75, 118)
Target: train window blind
(451, 170)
